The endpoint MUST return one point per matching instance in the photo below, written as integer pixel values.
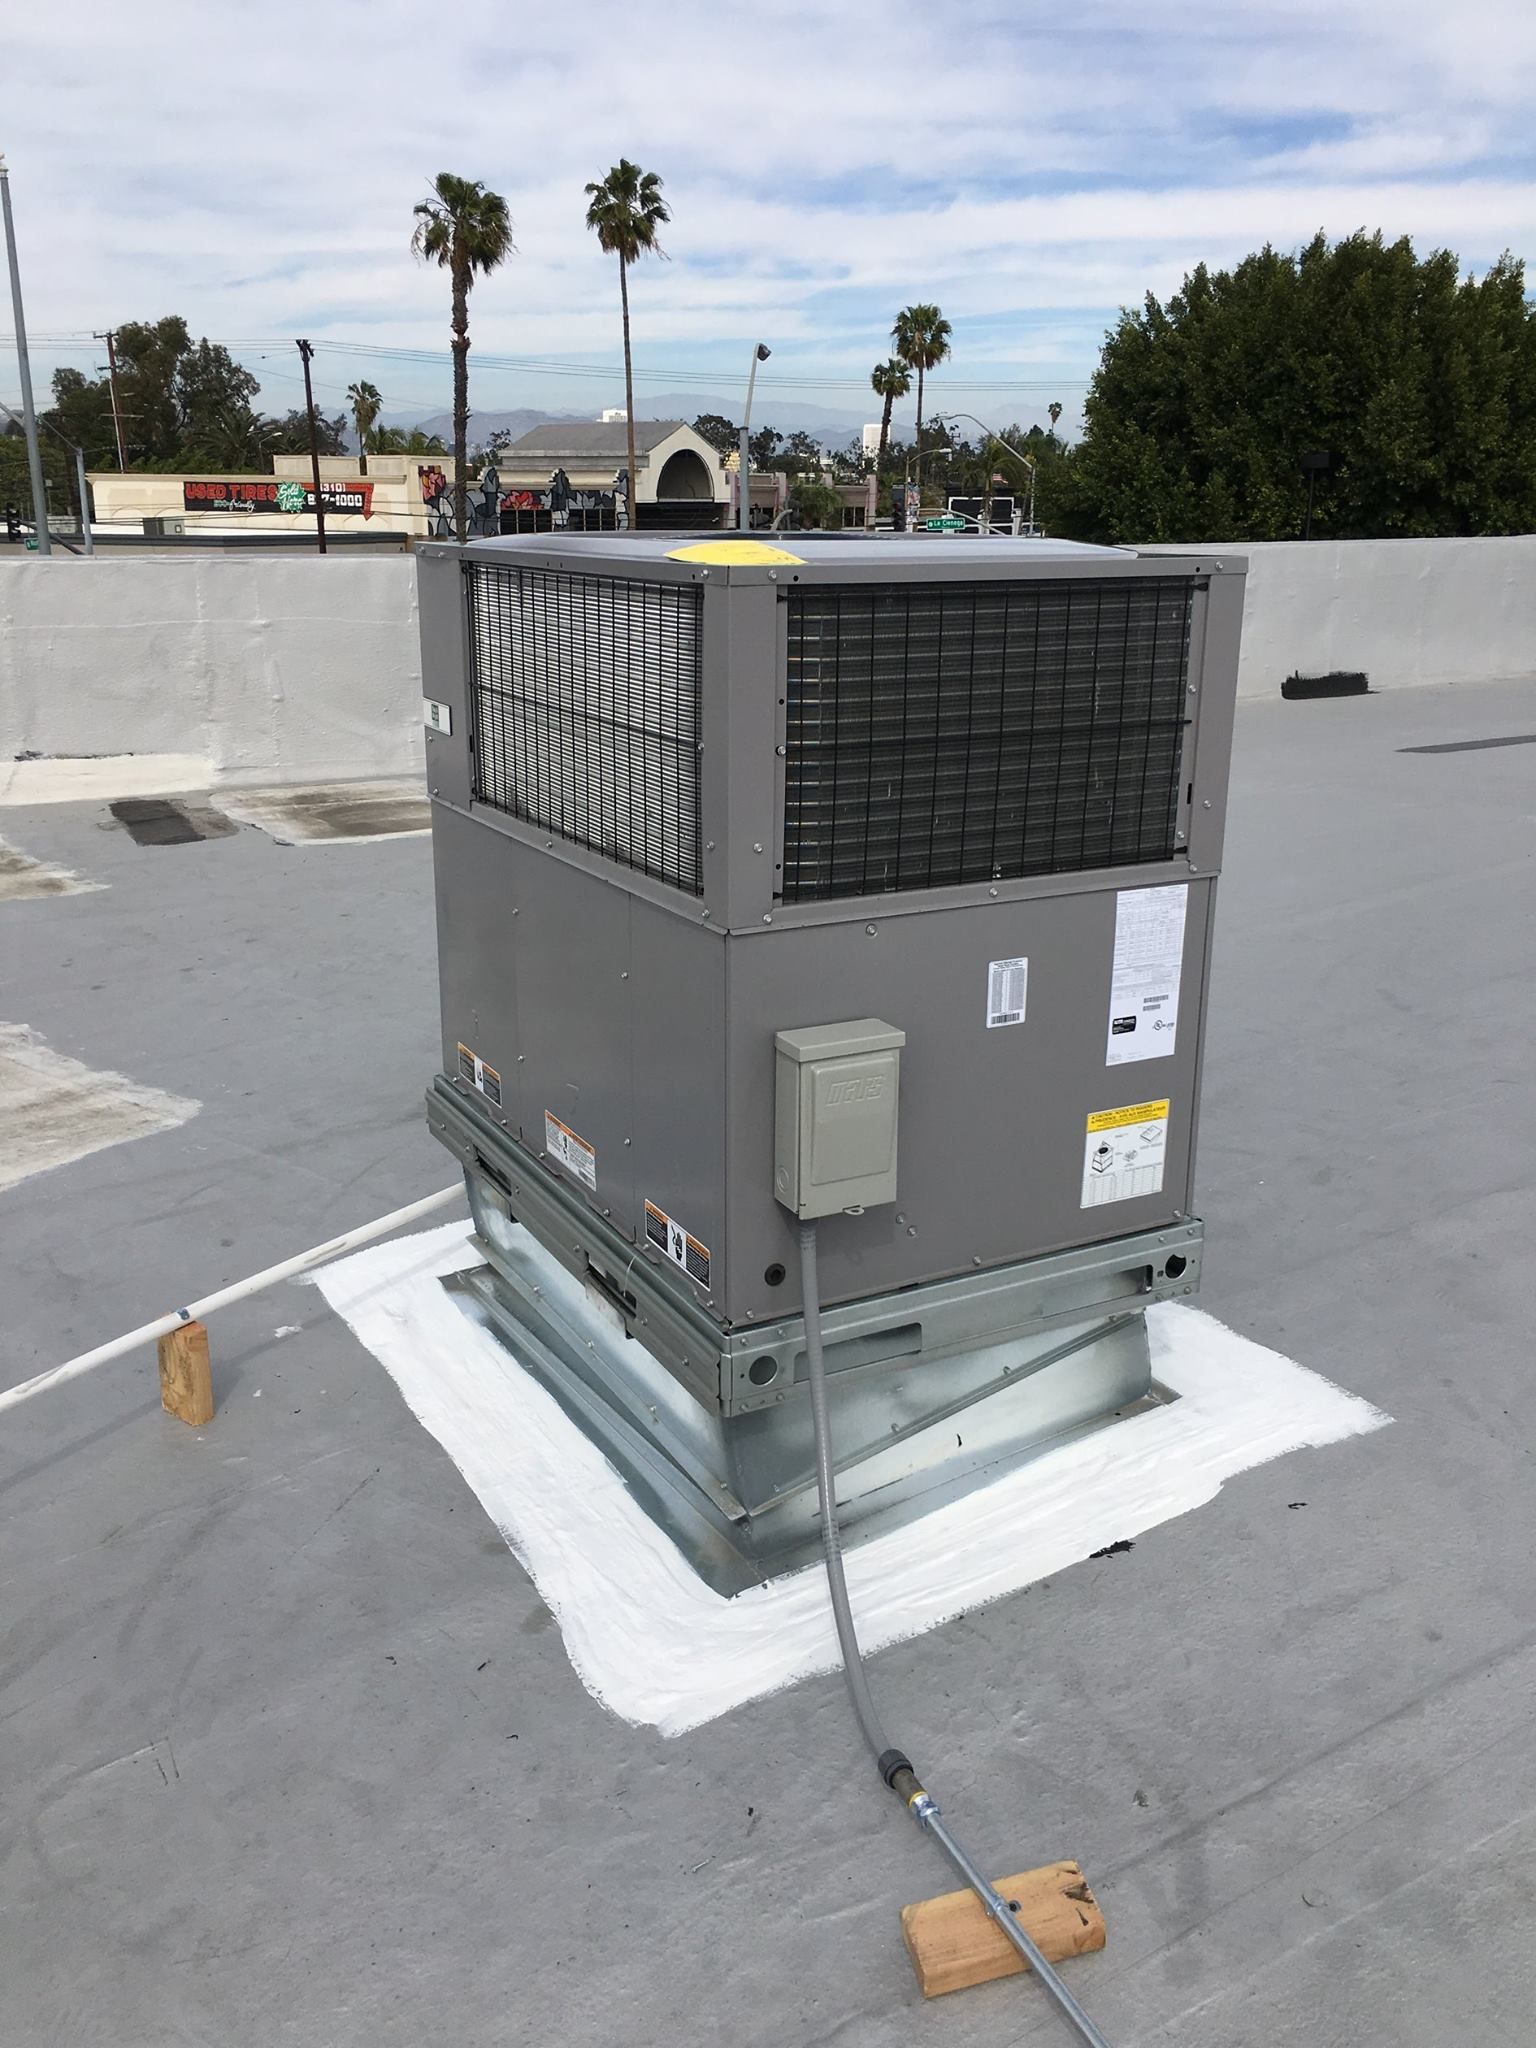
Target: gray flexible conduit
(893, 1766)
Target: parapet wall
(255, 669)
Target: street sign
(945, 525)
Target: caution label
(479, 1075)
(570, 1151)
(1123, 1153)
(669, 1236)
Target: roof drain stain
(161, 821)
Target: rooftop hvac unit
(865, 879)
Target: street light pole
(306, 350)
(1017, 453)
(28, 410)
(760, 354)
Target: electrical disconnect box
(742, 851)
(835, 1117)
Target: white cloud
(254, 168)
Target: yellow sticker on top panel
(726, 552)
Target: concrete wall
(290, 669)
(286, 669)
(1405, 611)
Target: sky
(1030, 168)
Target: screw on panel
(629, 1141)
(1205, 804)
(767, 917)
(624, 974)
(756, 847)
(911, 1230)
(709, 846)
(871, 929)
(781, 750)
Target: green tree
(184, 403)
(396, 441)
(290, 434)
(366, 401)
(723, 435)
(762, 448)
(467, 230)
(892, 380)
(922, 336)
(624, 212)
(1421, 385)
(815, 503)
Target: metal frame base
(738, 1495)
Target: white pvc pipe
(56, 1375)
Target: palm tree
(624, 212)
(922, 337)
(1054, 409)
(366, 401)
(469, 232)
(891, 380)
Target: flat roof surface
(293, 1749)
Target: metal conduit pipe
(894, 1767)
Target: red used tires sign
(279, 494)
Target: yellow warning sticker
(1137, 1113)
(1123, 1153)
(725, 552)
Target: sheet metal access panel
(626, 1022)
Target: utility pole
(28, 410)
(117, 411)
(306, 350)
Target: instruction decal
(474, 1070)
(669, 1236)
(568, 1150)
(438, 716)
(1124, 1153)
(1144, 983)
(1007, 986)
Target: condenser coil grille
(585, 696)
(940, 733)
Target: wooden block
(186, 1383)
(953, 1943)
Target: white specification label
(1007, 986)
(438, 716)
(573, 1153)
(1124, 1153)
(1144, 986)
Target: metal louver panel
(585, 701)
(940, 733)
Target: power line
(549, 366)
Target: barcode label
(1007, 983)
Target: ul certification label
(669, 1236)
(1124, 1153)
(1144, 987)
(1007, 986)
(573, 1153)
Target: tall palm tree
(624, 212)
(1054, 409)
(366, 401)
(468, 231)
(922, 337)
(891, 380)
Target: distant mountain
(483, 424)
(832, 429)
